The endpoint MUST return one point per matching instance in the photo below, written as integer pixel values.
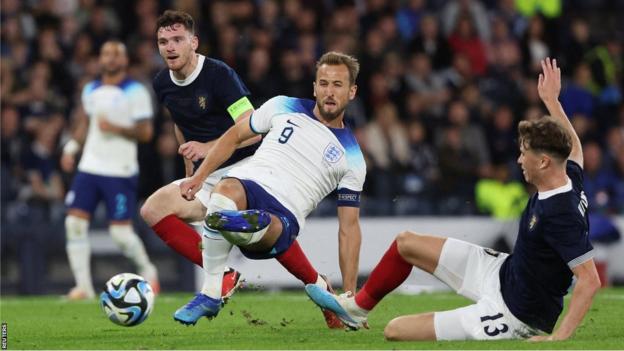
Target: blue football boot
(248, 221)
(200, 306)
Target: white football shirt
(109, 154)
(300, 160)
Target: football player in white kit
(261, 206)
(119, 111)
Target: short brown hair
(545, 135)
(334, 58)
(171, 17)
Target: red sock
(180, 237)
(389, 273)
(296, 262)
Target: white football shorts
(203, 195)
(472, 271)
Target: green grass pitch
(257, 320)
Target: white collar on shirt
(188, 80)
(562, 189)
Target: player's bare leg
(420, 250)
(413, 327)
(166, 212)
(167, 201)
(79, 253)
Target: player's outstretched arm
(587, 284)
(255, 138)
(222, 150)
(548, 87)
(195, 150)
(349, 242)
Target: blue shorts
(119, 193)
(259, 199)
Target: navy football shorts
(119, 194)
(260, 199)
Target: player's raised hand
(549, 81)
(194, 150)
(190, 187)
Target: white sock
(215, 249)
(215, 252)
(321, 282)
(133, 248)
(348, 302)
(79, 251)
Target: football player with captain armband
(205, 97)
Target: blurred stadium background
(442, 87)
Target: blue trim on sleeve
(92, 85)
(355, 158)
(126, 83)
(129, 86)
(348, 198)
(286, 104)
(251, 125)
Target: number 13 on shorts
(492, 327)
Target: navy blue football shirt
(552, 239)
(204, 105)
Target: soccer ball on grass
(127, 299)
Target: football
(127, 299)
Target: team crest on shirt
(201, 100)
(332, 153)
(532, 222)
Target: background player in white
(306, 154)
(518, 295)
(119, 111)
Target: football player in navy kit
(518, 295)
(205, 98)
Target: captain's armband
(239, 107)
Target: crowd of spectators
(441, 88)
